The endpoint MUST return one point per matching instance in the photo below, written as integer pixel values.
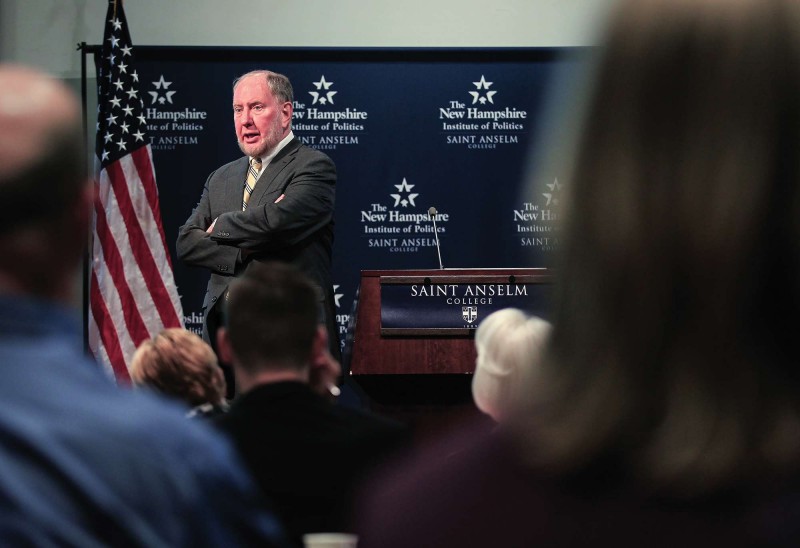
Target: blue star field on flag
(121, 125)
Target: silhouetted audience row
(306, 454)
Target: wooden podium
(427, 356)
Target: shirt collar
(265, 160)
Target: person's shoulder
(153, 436)
(149, 423)
(131, 449)
(138, 421)
(365, 422)
(425, 491)
(235, 166)
(311, 153)
(246, 414)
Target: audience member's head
(179, 364)
(508, 343)
(272, 326)
(308, 455)
(679, 287)
(44, 189)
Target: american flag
(132, 292)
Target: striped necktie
(252, 178)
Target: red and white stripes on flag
(132, 294)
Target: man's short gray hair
(279, 84)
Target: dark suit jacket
(307, 454)
(289, 218)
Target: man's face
(260, 120)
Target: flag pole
(87, 252)
(85, 50)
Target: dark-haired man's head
(44, 189)
(272, 329)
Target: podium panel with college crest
(413, 330)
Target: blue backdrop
(408, 129)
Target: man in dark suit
(276, 203)
(307, 454)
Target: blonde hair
(509, 344)
(179, 364)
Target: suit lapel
(271, 179)
(234, 188)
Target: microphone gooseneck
(432, 214)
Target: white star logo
(139, 136)
(111, 119)
(133, 93)
(124, 127)
(123, 68)
(399, 199)
(122, 144)
(318, 97)
(552, 196)
(337, 296)
(167, 97)
(476, 95)
(161, 83)
(126, 50)
(118, 83)
(128, 111)
(108, 137)
(116, 23)
(115, 101)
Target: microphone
(432, 214)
